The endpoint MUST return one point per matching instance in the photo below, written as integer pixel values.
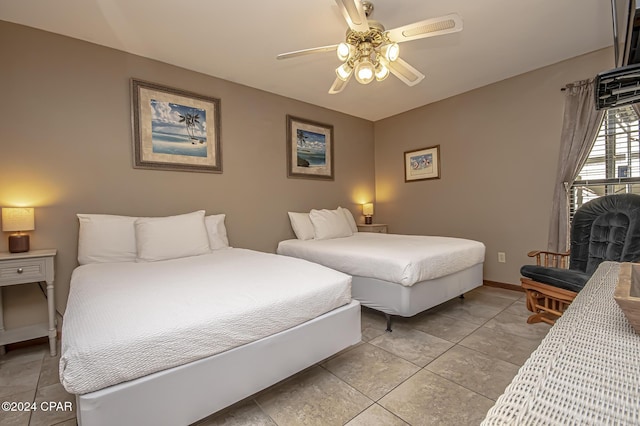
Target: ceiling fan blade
(405, 72)
(338, 85)
(354, 14)
(307, 51)
(428, 28)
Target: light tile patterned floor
(445, 366)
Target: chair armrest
(550, 258)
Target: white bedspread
(127, 320)
(402, 259)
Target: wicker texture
(586, 371)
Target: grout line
(462, 386)
(476, 351)
(343, 381)
(356, 390)
(365, 409)
(255, 401)
(394, 414)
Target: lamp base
(18, 243)
(368, 220)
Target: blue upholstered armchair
(607, 228)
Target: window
(613, 166)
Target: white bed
(397, 274)
(171, 341)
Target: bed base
(388, 317)
(190, 392)
(407, 301)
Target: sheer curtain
(579, 130)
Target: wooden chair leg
(541, 317)
(546, 302)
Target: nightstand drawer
(23, 271)
(379, 228)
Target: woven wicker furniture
(586, 371)
(627, 293)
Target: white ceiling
(239, 40)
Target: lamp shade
(17, 219)
(390, 51)
(367, 209)
(344, 71)
(364, 71)
(382, 72)
(344, 51)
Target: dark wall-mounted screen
(625, 14)
(633, 49)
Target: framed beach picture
(421, 164)
(174, 129)
(309, 149)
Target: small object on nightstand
(18, 219)
(380, 228)
(367, 212)
(22, 268)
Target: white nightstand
(35, 266)
(380, 228)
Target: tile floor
(445, 366)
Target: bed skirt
(406, 301)
(187, 393)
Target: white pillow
(216, 231)
(329, 224)
(302, 226)
(171, 237)
(350, 219)
(106, 238)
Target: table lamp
(367, 211)
(18, 219)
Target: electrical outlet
(502, 257)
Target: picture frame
(422, 164)
(309, 149)
(175, 129)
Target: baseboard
(502, 285)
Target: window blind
(613, 165)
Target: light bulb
(344, 71)
(364, 71)
(343, 51)
(391, 51)
(382, 72)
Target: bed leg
(388, 317)
(461, 296)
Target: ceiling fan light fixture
(344, 71)
(369, 51)
(344, 51)
(364, 71)
(390, 51)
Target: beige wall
(499, 149)
(65, 148)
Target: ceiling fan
(370, 52)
